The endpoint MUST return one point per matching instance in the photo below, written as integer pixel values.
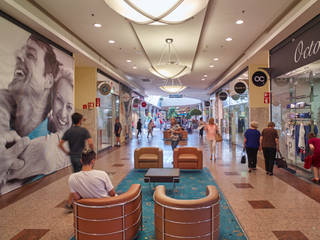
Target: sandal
(315, 180)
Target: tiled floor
(267, 207)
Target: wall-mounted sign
(266, 97)
(90, 105)
(135, 102)
(126, 97)
(115, 87)
(84, 106)
(104, 88)
(207, 103)
(175, 96)
(97, 102)
(223, 96)
(143, 104)
(240, 87)
(235, 97)
(259, 78)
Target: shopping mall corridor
(267, 207)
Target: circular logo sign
(223, 96)
(259, 78)
(240, 87)
(143, 104)
(235, 97)
(104, 88)
(207, 103)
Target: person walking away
(150, 128)
(269, 143)
(201, 127)
(117, 131)
(211, 132)
(175, 133)
(314, 145)
(139, 127)
(251, 144)
(90, 183)
(76, 136)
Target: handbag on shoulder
(243, 158)
(280, 161)
(218, 137)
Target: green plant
(195, 112)
(172, 113)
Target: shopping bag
(243, 157)
(280, 161)
(218, 137)
(308, 162)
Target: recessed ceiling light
(128, 61)
(111, 41)
(229, 39)
(97, 25)
(205, 75)
(134, 67)
(203, 79)
(211, 66)
(215, 59)
(239, 21)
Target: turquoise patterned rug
(192, 186)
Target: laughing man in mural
(25, 105)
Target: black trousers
(252, 157)
(269, 156)
(201, 132)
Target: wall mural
(126, 112)
(36, 103)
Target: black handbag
(280, 161)
(243, 158)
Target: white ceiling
(197, 41)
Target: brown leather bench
(187, 158)
(176, 219)
(148, 157)
(113, 218)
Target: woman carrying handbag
(251, 144)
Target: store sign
(104, 88)
(266, 97)
(240, 87)
(259, 78)
(175, 96)
(235, 97)
(135, 102)
(114, 86)
(90, 105)
(207, 103)
(143, 104)
(298, 50)
(126, 97)
(223, 96)
(97, 102)
(84, 106)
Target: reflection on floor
(267, 207)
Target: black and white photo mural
(36, 103)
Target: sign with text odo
(240, 87)
(259, 78)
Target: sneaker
(69, 208)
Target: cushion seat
(148, 157)
(188, 157)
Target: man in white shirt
(90, 183)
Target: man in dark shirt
(117, 131)
(76, 136)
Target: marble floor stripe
(261, 204)
(290, 235)
(30, 234)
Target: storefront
(108, 98)
(230, 109)
(295, 73)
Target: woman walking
(314, 144)
(269, 142)
(251, 145)
(211, 132)
(139, 127)
(150, 128)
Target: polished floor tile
(290, 235)
(242, 185)
(261, 204)
(30, 234)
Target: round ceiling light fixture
(172, 86)
(157, 12)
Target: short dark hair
(76, 118)
(50, 58)
(271, 124)
(87, 157)
(311, 135)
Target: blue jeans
(76, 164)
(174, 144)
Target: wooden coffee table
(162, 175)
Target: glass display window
(296, 110)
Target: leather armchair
(187, 158)
(176, 219)
(113, 218)
(148, 157)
